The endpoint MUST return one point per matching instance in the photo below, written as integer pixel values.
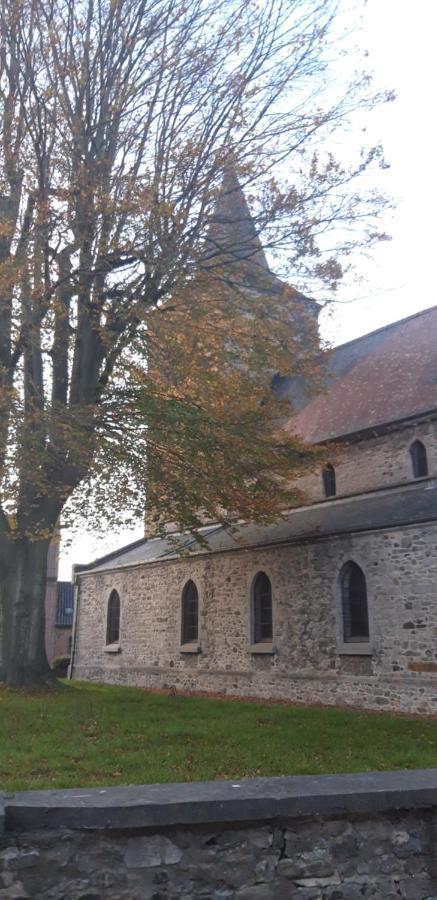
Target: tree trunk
(23, 659)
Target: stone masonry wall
(352, 857)
(305, 665)
(376, 462)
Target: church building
(337, 603)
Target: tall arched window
(418, 459)
(262, 612)
(113, 619)
(328, 475)
(190, 614)
(354, 604)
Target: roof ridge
(389, 325)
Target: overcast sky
(400, 279)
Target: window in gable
(328, 475)
(190, 614)
(419, 459)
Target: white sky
(400, 37)
(399, 280)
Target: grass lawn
(86, 734)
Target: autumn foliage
(134, 369)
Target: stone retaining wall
(326, 838)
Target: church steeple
(232, 239)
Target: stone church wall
(376, 462)
(305, 666)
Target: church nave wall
(375, 462)
(304, 662)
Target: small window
(113, 619)
(418, 459)
(328, 475)
(262, 609)
(190, 614)
(354, 604)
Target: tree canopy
(137, 341)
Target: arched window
(418, 459)
(354, 604)
(113, 619)
(328, 475)
(190, 614)
(262, 609)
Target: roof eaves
(310, 535)
(83, 567)
(379, 428)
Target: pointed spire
(232, 238)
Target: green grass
(84, 734)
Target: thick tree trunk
(23, 659)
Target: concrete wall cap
(198, 803)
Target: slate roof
(413, 503)
(384, 377)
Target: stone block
(90, 895)
(346, 868)
(262, 838)
(337, 828)
(389, 865)
(316, 864)
(287, 891)
(303, 841)
(15, 892)
(256, 892)
(71, 888)
(373, 847)
(411, 847)
(417, 888)
(318, 882)
(26, 859)
(418, 865)
(345, 846)
(8, 857)
(265, 869)
(145, 852)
